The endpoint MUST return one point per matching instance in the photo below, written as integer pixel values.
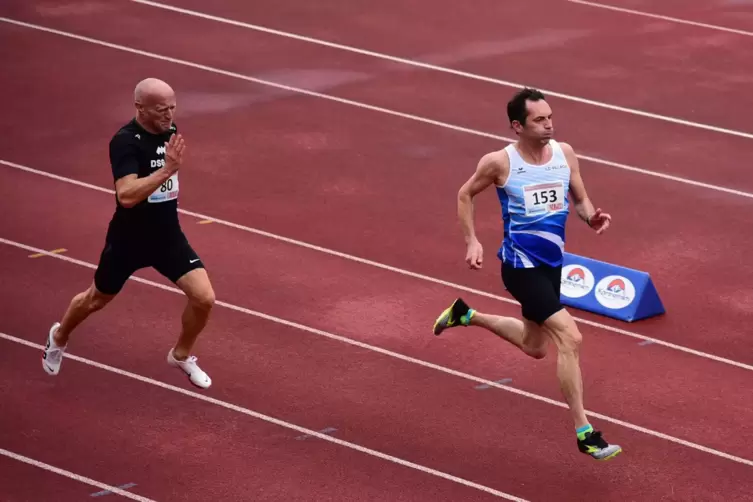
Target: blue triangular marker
(650, 304)
(587, 289)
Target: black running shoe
(593, 444)
(457, 314)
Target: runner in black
(146, 155)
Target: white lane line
(663, 18)
(390, 268)
(365, 106)
(63, 472)
(395, 355)
(428, 66)
(266, 418)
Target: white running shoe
(52, 357)
(195, 374)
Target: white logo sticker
(577, 281)
(615, 292)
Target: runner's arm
(581, 201)
(487, 172)
(131, 189)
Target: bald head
(155, 105)
(152, 88)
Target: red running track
(412, 412)
(172, 447)
(683, 254)
(734, 14)
(395, 312)
(30, 483)
(668, 148)
(577, 50)
(662, 390)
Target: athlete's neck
(144, 126)
(534, 152)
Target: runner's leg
(181, 265)
(116, 264)
(524, 334)
(81, 307)
(561, 328)
(544, 319)
(198, 289)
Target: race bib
(166, 191)
(544, 198)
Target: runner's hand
(174, 152)
(599, 221)
(474, 256)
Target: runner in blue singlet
(534, 209)
(533, 177)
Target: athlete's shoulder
(494, 166)
(128, 133)
(498, 159)
(569, 152)
(566, 147)
(496, 162)
(126, 143)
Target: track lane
(586, 44)
(31, 484)
(675, 149)
(392, 407)
(734, 14)
(108, 426)
(369, 160)
(624, 379)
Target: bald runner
(146, 155)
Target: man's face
(539, 125)
(158, 112)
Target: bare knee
(198, 289)
(568, 339)
(93, 300)
(571, 340)
(565, 333)
(203, 299)
(534, 341)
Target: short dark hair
(516, 107)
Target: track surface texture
(327, 142)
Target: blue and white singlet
(534, 210)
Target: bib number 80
(168, 190)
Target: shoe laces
(595, 439)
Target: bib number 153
(544, 198)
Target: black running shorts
(172, 258)
(537, 289)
